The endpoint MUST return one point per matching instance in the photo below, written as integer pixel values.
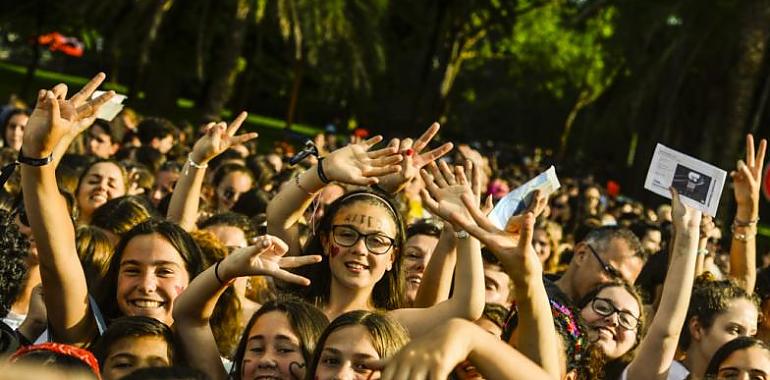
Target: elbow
(474, 310)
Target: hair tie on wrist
(320, 170)
(216, 273)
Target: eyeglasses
(605, 308)
(376, 242)
(614, 273)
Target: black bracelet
(22, 159)
(321, 173)
(216, 272)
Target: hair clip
(309, 150)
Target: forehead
(273, 323)
(19, 118)
(424, 243)
(151, 248)
(105, 169)
(97, 129)
(229, 235)
(141, 347)
(740, 311)
(351, 340)
(619, 255)
(621, 298)
(495, 274)
(366, 216)
(237, 177)
(749, 358)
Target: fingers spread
(291, 277)
(387, 151)
(750, 150)
(92, 106)
(379, 171)
(477, 215)
(60, 91)
(237, 123)
(81, 96)
(244, 137)
(423, 140)
(372, 141)
(437, 153)
(298, 261)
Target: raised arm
(436, 354)
(437, 279)
(747, 179)
(414, 159)
(520, 262)
(657, 349)
(354, 164)
(467, 300)
(194, 307)
(64, 282)
(218, 137)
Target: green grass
(11, 77)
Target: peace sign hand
(218, 138)
(747, 177)
(355, 164)
(266, 258)
(414, 159)
(54, 116)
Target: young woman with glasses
(613, 313)
(361, 235)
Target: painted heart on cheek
(297, 370)
(335, 250)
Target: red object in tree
(361, 133)
(58, 42)
(613, 188)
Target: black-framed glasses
(376, 242)
(609, 269)
(605, 308)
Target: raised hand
(515, 253)
(266, 258)
(747, 177)
(414, 159)
(218, 137)
(55, 116)
(355, 164)
(444, 188)
(685, 219)
(432, 356)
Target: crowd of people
(136, 249)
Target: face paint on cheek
(334, 250)
(179, 289)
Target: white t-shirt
(676, 372)
(14, 320)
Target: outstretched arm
(218, 137)
(353, 164)
(518, 258)
(436, 354)
(194, 307)
(657, 349)
(437, 279)
(64, 282)
(467, 299)
(747, 179)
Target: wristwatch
(462, 234)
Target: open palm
(267, 257)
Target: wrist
(310, 180)
(198, 158)
(747, 212)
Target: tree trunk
(157, 13)
(743, 79)
(223, 75)
(298, 72)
